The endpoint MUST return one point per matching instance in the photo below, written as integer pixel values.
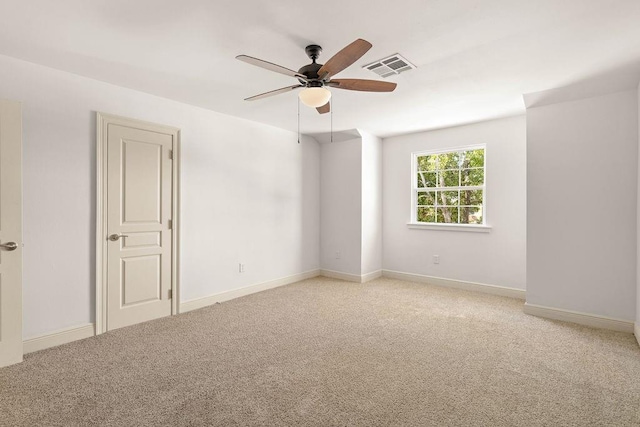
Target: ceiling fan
(316, 77)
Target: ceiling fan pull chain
(331, 121)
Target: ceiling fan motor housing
(310, 71)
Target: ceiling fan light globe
(314, 97)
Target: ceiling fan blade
(270, 66)
(344, 58)
(325, 108)
(362, 85)
(273, 92)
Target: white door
(139, 207)
(10, 232)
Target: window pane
(426, 179)
(474, 158)
(472, 177)
(449, 178)
(426, 198)
(449, 160)
(471, 215)
(426, 215)
(427, 163)
(447, 214)
(448, 198)
(471, 197)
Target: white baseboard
(370, 276)
(57, 338)
(340, 275)
(457, 284)
(585, 319)
(195, 304)
(10, 359)
(637, 332)
(351, 277)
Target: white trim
(585, 319)
(450, 149)
(195, 304)
(101, 184)
(450, 227)
(102, 123)
(370, 276)
(457, 284)
(363, 278)
(57, 338)
(342, 276)
(175, 223)
(636, 332)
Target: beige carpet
(329, 353)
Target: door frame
(103, 121)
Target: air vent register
(390, 66)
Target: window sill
(450, 227)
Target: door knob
(115, 237)
(10, 246)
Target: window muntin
(449, 186)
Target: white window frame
(414, 223)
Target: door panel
(141, 279)
(142, 240)
(10, 233)
(139, 207)
(141, 182)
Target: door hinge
(170, 154)
(170, 293)
(170, 225)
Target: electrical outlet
(241, 268)
(338, 255)
(436, 259)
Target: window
(449, 186)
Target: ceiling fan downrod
(310, 71)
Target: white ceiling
(475, 59)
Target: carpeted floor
(324, 352)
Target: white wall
(496, 258)
(582, 162)
(341, 206)
(371, 203)
(250, 194)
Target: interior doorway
(137, 221)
